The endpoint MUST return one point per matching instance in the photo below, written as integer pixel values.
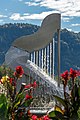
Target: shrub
(13, 104)
(71, 102)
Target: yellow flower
(4, 79)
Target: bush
(13, 104)
(70, 109)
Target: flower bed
(15, 104)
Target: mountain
(10, 32)
(70, 43)
(70, 50)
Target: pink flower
(34, 117)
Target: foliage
(70, 104)
(13, 103)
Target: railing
(40, 67)
(44, 58)
(43, 94)
(40, 39)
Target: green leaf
(56, 114)
(79, 91)
(3, 98)
(27, 103)
(19, 96)
(16, 104)
(18, 100)
(52, 114)
(3, 106)
(61, 100)
(74, 92)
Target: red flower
(31, 85)
(73, 73)
(78, 72)
(28, 86)
(45, 117)
(34, 117)
(29, 113)
(28, 96)
(65, 77)
(12, 81)
(19, 71)
(34, 84)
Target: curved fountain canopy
(42, 37)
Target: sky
(34, 11)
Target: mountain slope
(70, 50)
(10, 32)
(70, 43)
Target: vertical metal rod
(34, 57)
(53, 53)
(46, 60)
(42, 59)
(30, 56)
(50, 58)
(37, 58)
(58, 31)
